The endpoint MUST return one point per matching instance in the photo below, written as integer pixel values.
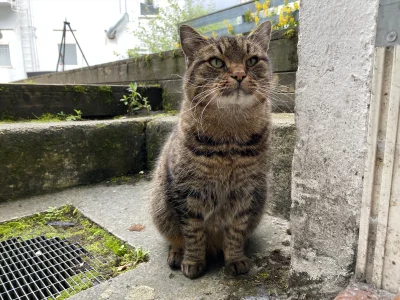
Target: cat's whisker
(203, 95)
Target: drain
(42, 268)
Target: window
(70, 54)
(5, 60)
(148, 8)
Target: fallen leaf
(136, 227)
(121, 268)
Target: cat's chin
(239, 98)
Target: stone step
(29, 101)
(37, 158)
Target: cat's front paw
(175, 258)
(193, 269)
(240, 266)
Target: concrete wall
(333, 85)
(166, 68)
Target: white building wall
(90, 19)
(11, 36)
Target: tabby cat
(210, 183)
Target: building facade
(31, 33)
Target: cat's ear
(262, 34)
(191, 40)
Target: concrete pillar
(333, 92)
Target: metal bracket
(388, 28)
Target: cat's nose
(239, 75)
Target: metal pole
(77, 43)
(59, 50)
(65, 39)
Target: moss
(166, 104)
(175, 54)
(121, 179)
(89, 235)
(29, 82)
(105, 93)
(289, 33)
(79, 89)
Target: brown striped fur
(209, 187)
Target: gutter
(111, 32)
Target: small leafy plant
(135, 101)
(76, 117)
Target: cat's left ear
(262, 34)
(191, 40)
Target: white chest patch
(239, 98)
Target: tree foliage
(160, 33)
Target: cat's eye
(216, 63)
(252, 61)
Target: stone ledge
(32, 100)
(39, 158)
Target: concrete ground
(116, 207)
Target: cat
(210, 182)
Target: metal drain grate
(42, 268)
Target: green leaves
(160, 33)
(135, 101)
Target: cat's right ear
(191, 40)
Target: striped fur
(209, 187)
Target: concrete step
(37, 158)
(30, 100)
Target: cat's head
(227, 71)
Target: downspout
(111, 32)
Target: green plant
(29, 81)
(53, 213)
(74, 117)
(248, 16)
(157, 35)
(135, 101)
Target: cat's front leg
(235, 236)
(194, 258)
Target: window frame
(9, 55)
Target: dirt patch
(267, 280)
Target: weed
(135, 101)
(29, 81)
(79, 89)
(74, 117)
